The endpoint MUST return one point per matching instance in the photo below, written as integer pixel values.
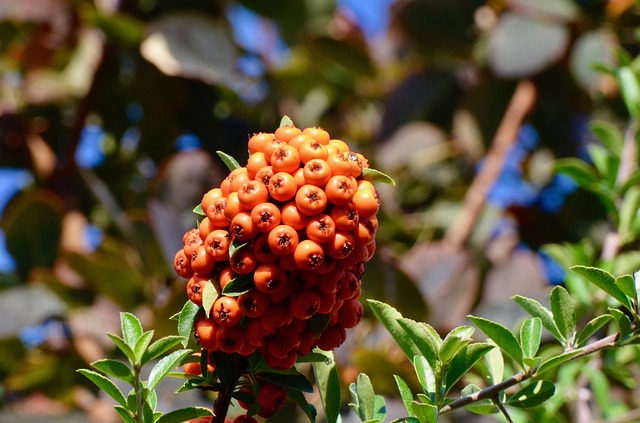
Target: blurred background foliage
(111, 112)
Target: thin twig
(503, 410)
(521, 103)
(493, 390)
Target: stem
(238, 366)
(493, 390)
(221, 406)
(137, 386)
(503, 410)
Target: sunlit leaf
(286, 121)
(405, 394)
(185, 321)
(479, 407)
(142, 344)
(501, 336)
(238, 285)
(122, 345)
(464, 361)
(209, 296)
(426, 376)
(426, 413)
(374, 175)
(424, 337)
(328, 386)
(624, 324)
(114, 368)
(530, 335)
(164, 366)
(556, 361)
(605, 281)
(184, 414)
(455, 341)
(563, 311)
(105, 385)
(124, 414)
(591, 328)
(198, 210)
(160, 347)
(535, 309)
(228, 160)
(389, 318)
(363, 397)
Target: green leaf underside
(426, 375)
(605, 281)
(286, 121)
(228, 160)
(105, 385)
(185, 321)
(405, 394)
(238, 286)
(363, 397)
(328, 386)
(209, 296)
(131, 328)
(563, 312)
(184, 414)
(533, 394)
(530, 335)
(535, 309)
(164, 366)
(374, 175)
(198, 210)
(501, 336)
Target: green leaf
(578, 170)
(185, 321)
(142, 345)
(455, 341)
(627, 285)
(160, 347)
(124, 414)
(363, 397)
(184, 414)
(310, 358)
(105, 385)
(228, 160)
(495, 365)
(235, 246)
(328, 386)
(530, 335)
(535, 309)
(198, 210)
(624, 324)
(164, 366)
(563, 311)
(114, 368)
(131, 328)
(424, 338)
(501, 336)
(405, 394)
(605, 281)
(628, 213)
(590, 328)
(300, 400)
(609, 134)
(556, 361)
(374, 175)
(224, 368)
(122, 345)
(238, 285)
(426, 413)
(532, 362)
(295, 381)
(479, 407)
(533, 394)
(286, 121)
(464, 361)
(389, 317)
(630, 90)
(318, 323)
(426, 376)
(209, 296)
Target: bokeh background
(111, 112)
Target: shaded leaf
(300, 400)
(501, 336)
(374, 175)
(605, 281)
(114, 368)
(535, 309)
(608, 133)
(623, 322)
(578, 170)
(238, 285)
(294, 381)
(228, 160)
(530, 335)
(164, 366)
(318, 323)
(124, 414)
(626, 284)
(533, 394)
(328, 386)
(563, 311)
(592, 327)
(463, 361)
(183, 414)
(105, 385)
(185, 321)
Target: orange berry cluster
(306, 221)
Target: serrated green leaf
(160, 347)
(328, 386)
(426, 413)
(389, 317)
(198, 210)
(535, 309)
(295, 381)
(425, 339)
(105, 385)
(590, 328)
(124, 414)
(238, 285)
(141, 345)
(184, 414)
(363, 397)
(501, 336)
(480, 407)
(185, 321)
(426, 376)
(605, 281)
(115, 369)
(556, 361)
(131, 328)
(623, 322)
(455, 341)
(533, 394)
(286, 121)
(164, 366)
(405, 394)
(122, 345)
(530, 335)
(374, 175)
(209, 296)
(495, 365)
(464, 361)
(627, 285)
(301, 401)
(228, 160)
(235, 246)
(563, 311)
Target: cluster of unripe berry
(295, 226)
